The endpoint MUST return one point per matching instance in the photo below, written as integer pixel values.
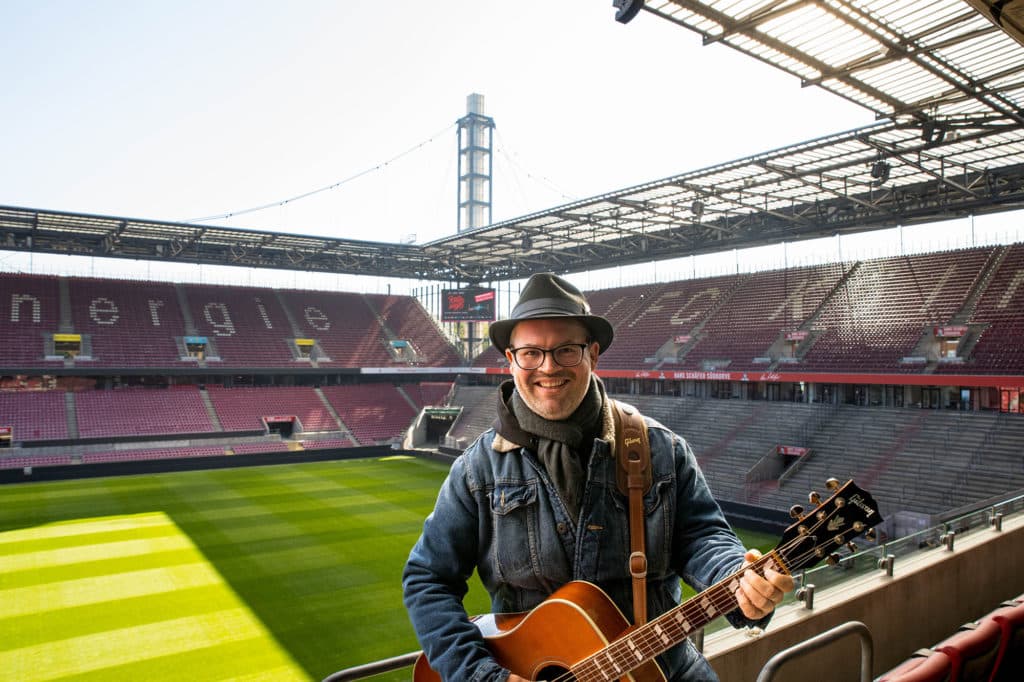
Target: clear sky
(183, 110)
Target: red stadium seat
(973, 651)
(1009, 666)
(933, 666)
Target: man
(532, 504)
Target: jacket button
(562, 528)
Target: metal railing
(853, 627)
(884, 557)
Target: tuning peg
(813, 497)
(833, 559)
(852, 546)
(870, 536)
(833, 484)
(796, 511)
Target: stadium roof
(945, 82)
(930, 62)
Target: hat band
(555, 307)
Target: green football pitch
(286, 572)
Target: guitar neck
(642, 644)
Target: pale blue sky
(185, 109)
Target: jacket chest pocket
(515, 550)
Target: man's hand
(759, 596)
(515, 678)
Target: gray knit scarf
(563, 444)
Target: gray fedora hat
(547, 296)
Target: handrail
(867, 650)
(384, 665)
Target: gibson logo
(858, 501)
(631, 441)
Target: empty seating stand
(407, 320)
(129, 324)
(344, 325)
(877, 316)
(999, 349)
(763, 307)
(248, 326)
(141, 411)
(29, 309)
(374, 413)
(34, 415)
(244, 408)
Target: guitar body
(578, 620)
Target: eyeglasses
(566, 355)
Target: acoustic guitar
(579, 634)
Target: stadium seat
(973, 650)
(927, 666)
(1009, 665)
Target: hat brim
(600, 329)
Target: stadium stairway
(334, 414)
(214, 419)
(71, 414)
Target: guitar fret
(655, 637)
(685, 624)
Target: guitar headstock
(815, 535)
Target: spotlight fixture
(527, 243)
(697, 208)
(625, 10)
(880, 172)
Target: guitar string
(648, 642)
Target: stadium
(223, 481)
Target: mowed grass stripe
(53, 596)
(100, 567)
(17, 540)
(83, 539)
(66, 556)
(234, 661)
(76, 621)
(60, 659)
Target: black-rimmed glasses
(566, 355)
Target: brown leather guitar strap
(633, 477)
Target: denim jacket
(499, 513)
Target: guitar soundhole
(554, 672)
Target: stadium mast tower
(476, 143)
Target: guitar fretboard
(672, 627)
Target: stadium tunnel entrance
(283, 425)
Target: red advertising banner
(6, 430)
(953, 331)
(796, 336)
(791, 450)
(279, 418)
(963, 380)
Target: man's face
(552, 391)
